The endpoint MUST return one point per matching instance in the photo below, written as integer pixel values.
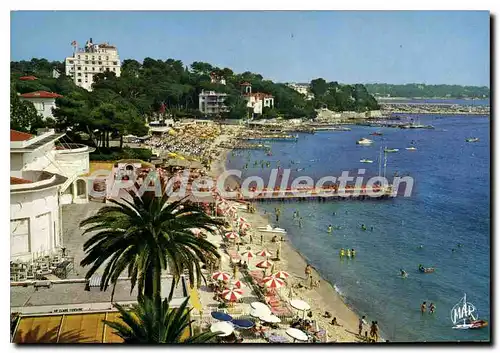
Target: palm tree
(147, 323)
(147, 235)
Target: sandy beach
(322, 298)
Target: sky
(431, 47)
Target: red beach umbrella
(238, 284)
(264, 264)
(248, 254)
(221, 276)
(232, 295)
(281, 274)
(232, 235)
(264, 253)
(273, 282)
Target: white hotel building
(91, 60)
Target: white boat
(269, 229)
(411, 148)
(472, 139)
(364, 141)
(390, 150)
(366, 161)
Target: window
(107, 57)
(99, 57)
(86, 62)
(93, 57)
(86, 57)
(70, 61)
(79, 68)
(79, 80)
(79, 74)
(78, 56)
(99, 62)
(93, 62)
(85, 68)
(115, 62)
(19, 236)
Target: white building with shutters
(91, 60)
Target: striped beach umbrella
(221, 276)
(232, 235)
(245, 225)
(232, 295)
(248, 254)
(238, 284)
(264, 264)
(282, 274)
(273, 282)
(264, 253)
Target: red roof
(40, 94)
(14, 180)
(19, 136)
(246, 84)
(28, 78)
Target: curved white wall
(38, 211)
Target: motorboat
(269, 229)
(391, 150)
(472, 139)
(364, 141)
(474, 324)
(376, 133)
(411, 148)
(426, 269)
(366, 161)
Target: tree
(23, 115)
(147, 323)
(145, 236)
(318, 87)
(237, 106)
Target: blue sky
(350, 47)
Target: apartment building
(91, 60)
(211, 102)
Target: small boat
(269, 229)
(366, 161)
(376, 133)
(390, 150)
(472, 139)
(411, 148)
(471, 325)
(426, 269)
(364, 141)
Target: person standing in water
(329, 230)
(432, 308)
(300, 222)
(360, 325)
(423, 307)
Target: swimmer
(353, 252)
(329, 228)
(460, 245)
(349, 253)
(403, 273)
(341, 253)
(363, 227)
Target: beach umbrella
(257, 313)
(273, 282)
(264, 253)
(221, 276)
(232, 295)
(232, 235)
(238, 284)
(221, 316)
(248, 254)
(282, 274)
(244, 324)
(270, 318)
(296, 334)
(226, 328)
(264, 264)
(260, 307)
(300, 305)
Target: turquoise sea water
(450, 204)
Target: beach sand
(322, 298)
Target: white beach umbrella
(260, 306)
(223, 326)
(270, 318)
(300, 305)
(296, 334)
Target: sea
(444, 223)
